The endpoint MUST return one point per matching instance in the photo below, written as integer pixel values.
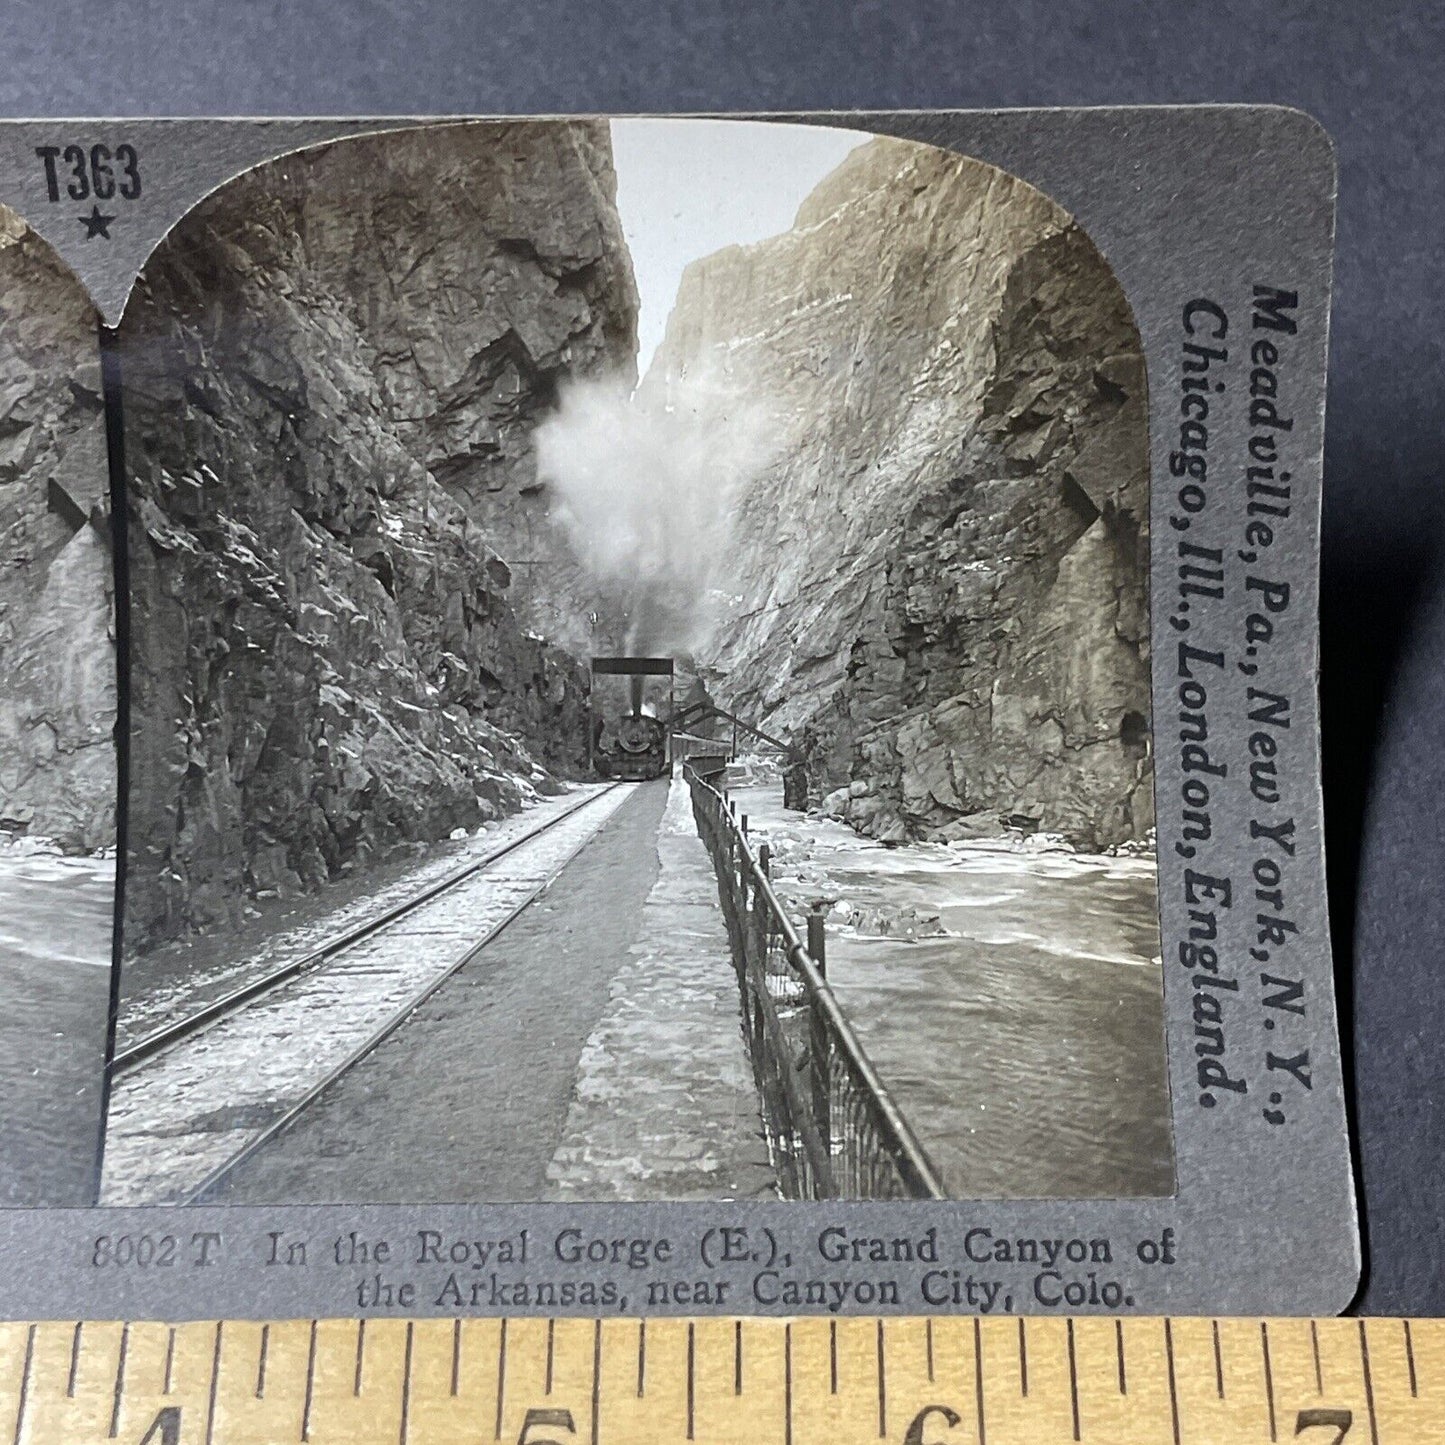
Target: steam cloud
(646, 484)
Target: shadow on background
(1382, 630)
(1374, 75)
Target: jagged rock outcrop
(483, 265)
(938, 589)
(57, 643)
(331, 370)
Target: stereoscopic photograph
(638, 680)
(57, 729)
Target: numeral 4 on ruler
(732, 1382)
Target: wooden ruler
(728, 1382)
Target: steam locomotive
(629, 742)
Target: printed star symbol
(97, 223)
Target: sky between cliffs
(687, 188)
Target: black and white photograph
(57, 730)
(638, 672)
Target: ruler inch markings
(691, 1377)
(405, 1429)
(669, 1381)
(1268, 1379)
(215, 1383)
(1369, 1385)
(788, 1383)
(882, 1388)
(978, 1379)
(1073, 1380)
(1173, 1380)
(24, 1399)
(74, 1358)
(596, 1380)
(310, 1385)
(261, 1362)
(119, 1381)
(501, 1381)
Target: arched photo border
(1184, 203)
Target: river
(55, 942)
(1020, 1027)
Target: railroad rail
(213, 1012)
(374, 1023)
(834, 1131)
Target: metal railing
(833, 1130)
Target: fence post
(817, 948)
(819, 1052)
(761, 929)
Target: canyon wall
(57, 643)
(341, 565)
(938, 589)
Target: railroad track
(217, 1086)
(164, 1038)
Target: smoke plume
(646, 484)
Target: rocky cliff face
(331, 372)
(57, 645)
(939, 588)
(484, 266)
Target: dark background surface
(1372, 73)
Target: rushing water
(1025, 1041)
(55, 936)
